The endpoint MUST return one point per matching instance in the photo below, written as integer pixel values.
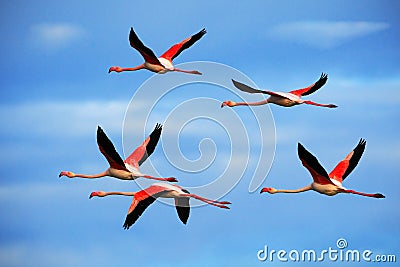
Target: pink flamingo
(143, 199)
(290, 99)
(128, 169)
(328, 184)
(164, 63)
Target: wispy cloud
(325, 34)
(55, 36)
(62, 118)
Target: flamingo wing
(311, 163)
(141, 201)
(108, 150)
(312, 88)
(176, 49)
(183, 207)
(146, 52)
(346, 166)
(251, 90)
(142, 152)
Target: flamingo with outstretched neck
(120, 169)
(163, 64)
(324, 183)
(289, 99)
(144, 198)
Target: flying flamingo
(162, 64)
(143, 199)
(124, 169)
(290, 99)
(328, 184)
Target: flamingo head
(68, 174)
(114, 68)
(270, 190)
(228, 103)
(379, 195)
(332, 106)
(97, 194)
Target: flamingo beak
(265, 189)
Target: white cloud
(54, 36)
(325, 34)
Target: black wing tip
(158, 127)
(126, 226)
(236, 83)
(322, 80)
(362, 142)
(301, 150)
(197, 36)
(100, 131)
(132, 35)
(300, 146)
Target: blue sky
(56, 90)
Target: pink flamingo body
(289, 99)
(162, 64)
(324, 183)
(127, 169)
(144, 198)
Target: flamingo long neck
(133, 68)
(259, 103)
(91, 176)
(119, 193)
(299, 190)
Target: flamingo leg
(219, 204)
(320, 105)
(170, 179)
(377, 195)
(188, 71)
